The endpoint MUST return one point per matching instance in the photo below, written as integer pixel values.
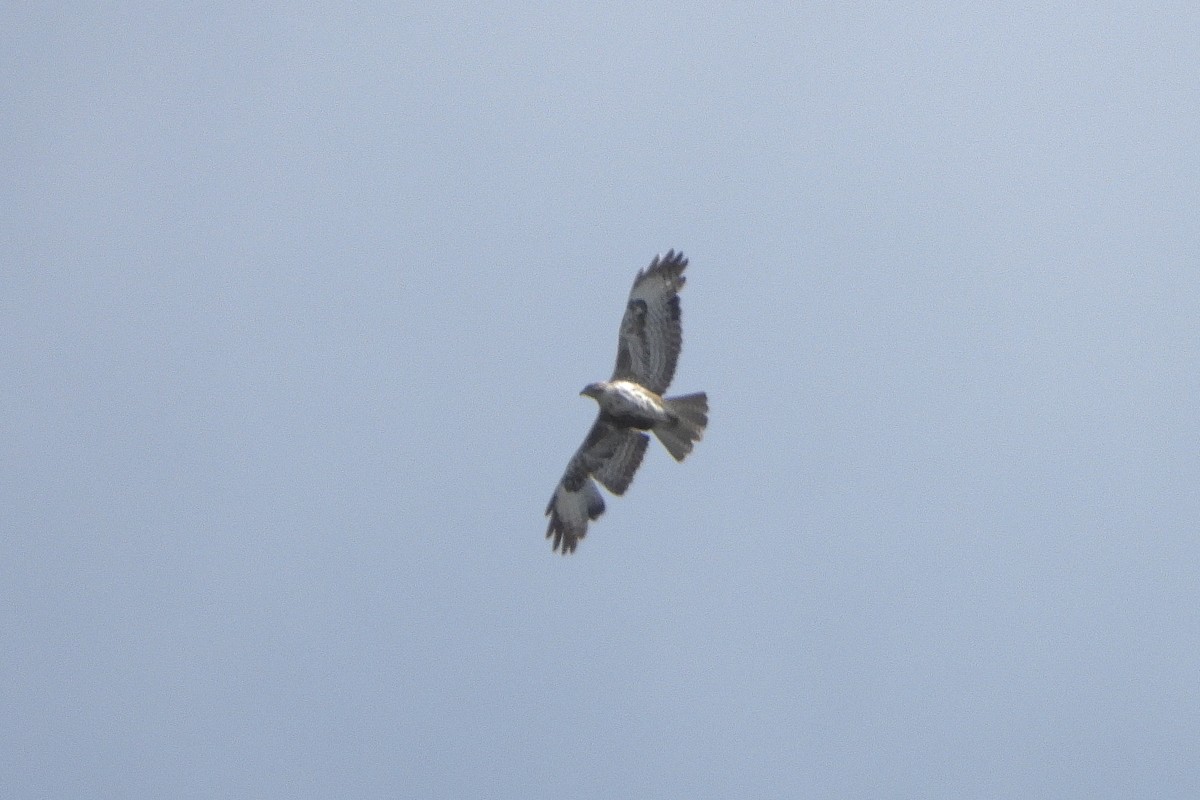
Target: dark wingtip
(671, 264)
(673, 258)
(564, 542)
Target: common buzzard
(631, 402)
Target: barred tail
(689, 417)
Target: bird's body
(631, 402)
(628, 404)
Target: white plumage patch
(570, 511)
(625, 399)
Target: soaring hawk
(631, 402)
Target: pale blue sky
(295, 304)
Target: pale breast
(623, 399)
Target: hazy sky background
(295, 304)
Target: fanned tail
(689, 417)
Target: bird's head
(592, 390)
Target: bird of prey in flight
(631, 402)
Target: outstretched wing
(609, 454)
(651, 334)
